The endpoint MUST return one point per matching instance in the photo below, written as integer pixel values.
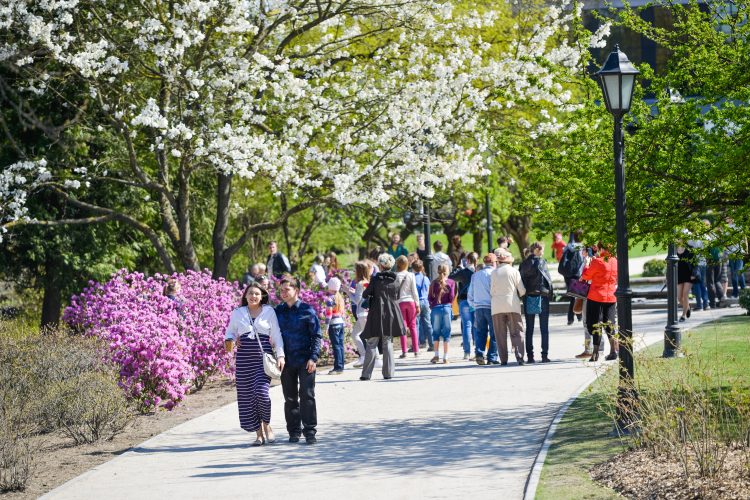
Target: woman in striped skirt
(253, 326)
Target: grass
(581, 439)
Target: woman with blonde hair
(362, 273)
(441, 295)
(408, 302)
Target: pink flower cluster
(162, 345)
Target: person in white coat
(506, 290)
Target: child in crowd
(335, 320)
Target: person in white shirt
(408, 302)
(440, 257)
(317, 272)
(254, 329)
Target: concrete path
(448, 431)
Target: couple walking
(293, 330)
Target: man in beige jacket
(506, 290)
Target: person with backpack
(462, 277)
(571, 268)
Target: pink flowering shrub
(162, 346)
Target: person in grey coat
(384, 319)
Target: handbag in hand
(269, 361)
(578, 289)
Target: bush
(48, 382)
(16, 461)
(745, 299)
(654, 267)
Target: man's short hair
(289, 280)
(272, 242)
(438, 245)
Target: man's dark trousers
(299, 401)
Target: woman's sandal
(270, 437)
(259, 441)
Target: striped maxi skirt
(253, 400)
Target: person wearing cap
(506, 290)
(335, 324)
(480, 299)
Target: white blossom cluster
(16, 181)
(379, 99)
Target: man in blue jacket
(479, 298)
(300, 330)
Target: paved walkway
(447, 431)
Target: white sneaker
(359, 363)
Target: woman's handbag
(578, 306)
(533, 304)
(269, 361)
(579, 289)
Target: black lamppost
(488, 208)
(672, 332)
(617, 80)
(425, 209)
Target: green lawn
(722, 348)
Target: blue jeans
(336, 334)
(483, 321)
(543, 326)
(424, 323)
(441, 322)
(738, 277)
(699, 289)
(468, 327)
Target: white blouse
(241, 323)
(408, 290)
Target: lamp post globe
(617, 81)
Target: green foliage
(654, 267)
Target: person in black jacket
(462, 277)
(538, 283)
(277, 264)
(384, 319)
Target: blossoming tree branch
(180, 111)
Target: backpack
(571, 263)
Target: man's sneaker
(480, 360)
(359, 363)
(335, 372)
(519, 359)
(495, 362)
(294, 439)
(431, 349)
(531, 359)
(583, 355)
(311, 440)
(435, 359)
(545, 359)
(466, 355)
(570, 323)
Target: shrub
(745, 299)
(654, 267)
(16, 461)
(91, 407)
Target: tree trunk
(223, 195)
(52, 302)
(519, 227)
(478, 237)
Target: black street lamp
(488, 208)
(425, 209)
(617, 80)
(672, 332)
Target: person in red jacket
(558, 246)
(601, 303)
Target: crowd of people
(392, 297)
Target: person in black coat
(384, 319)
(538, 283)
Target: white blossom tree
(193, 105)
